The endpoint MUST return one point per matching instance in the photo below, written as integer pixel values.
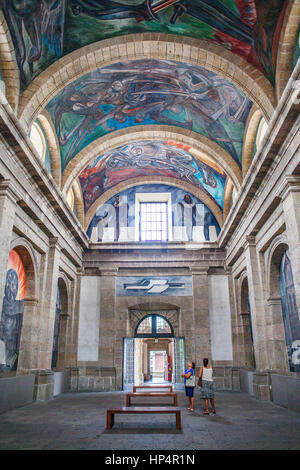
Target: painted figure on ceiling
(146, 158)
(212, 12)
(145, 92)
(43, 21)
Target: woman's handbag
(200, 382)
(190, 382)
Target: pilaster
(9, 197)
(290, 199)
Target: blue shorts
(189, 391)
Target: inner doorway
(154, 355)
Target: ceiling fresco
(149, 92)
(45, 30)
(148, 158)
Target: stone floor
(77, 421)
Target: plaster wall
(89, 319)
(220, 321)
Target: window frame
(153, 198)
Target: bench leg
(178, 420)
(127, 400)
(175, 400)
(109, 420)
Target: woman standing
(207, 387)
(189, 381)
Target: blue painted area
(154, 286)
(290, 312)
(146, 92)
(197, 214)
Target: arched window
(154, 326)
(71, 199)
(37, 138)
(262, 129)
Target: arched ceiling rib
(45, 31)
(211, 56)
(198, 192)
(197, 146)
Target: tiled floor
(78, 420)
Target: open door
(128, 363)
(179, 362)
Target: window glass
(153, 221)
(37, 138)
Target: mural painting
(149, 92)
(154, 285)
(45, 30)
(117, 215)
(148, 158)
(12, 313)
(290, 313)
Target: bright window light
(262, 129)
(153, 221)
(38, 140)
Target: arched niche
(62, 315)
(21, 330)
(245, 321)
(283, 308)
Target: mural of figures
(290, 313)
(115, 220)
(56, 330)
(12, 313)
(149, 158)
(44, 30)
(32, 24)
(149, 92)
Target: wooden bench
(148, 387)
(111, 412)
(151, 394)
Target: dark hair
(205, 361)
(193, 365)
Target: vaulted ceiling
(146, 116)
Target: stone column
(290, 197)
(48, 308)
(258, 316)
(276, 336)
(201, 328)
(29, 343)
(9, 197)
(107, 326)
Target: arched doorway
(154, 355)
(247, 333)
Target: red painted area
(15, 263)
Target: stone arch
(212, 56)
(63, 286)
(28, 349)
(287, 41)
(200, 147)
(53, 146)
(278, 357)
(8, 65)
(275, 253)
(79, 201)
(26, 252)
(168, 311)
(248, 358)
(198, 192)
(227, 198)
(249, 139)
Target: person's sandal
(206, 412)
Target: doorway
(154, 355)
